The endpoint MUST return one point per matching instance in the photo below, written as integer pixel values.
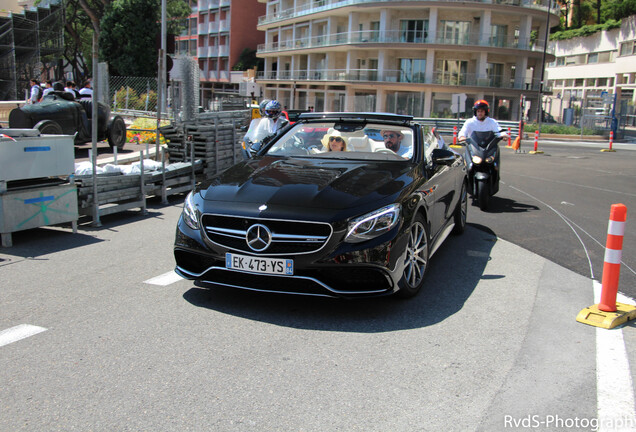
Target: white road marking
(164, 279)
(614, 387)
(18, 332)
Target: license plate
(276, 266)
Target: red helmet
(481, 104)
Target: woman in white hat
(334, 141)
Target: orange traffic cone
(517, 143)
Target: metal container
(25, 157)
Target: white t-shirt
(473, 125)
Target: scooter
(483, 174)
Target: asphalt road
(557, 205)
(490, 343)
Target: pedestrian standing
(36, 91)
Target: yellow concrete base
(455, 146)
(535, 152)
(607, 320)
(608, 150)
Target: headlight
(476, 159)
(373, 224)
(190, 213)
(490, 159)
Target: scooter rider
(481, 122)
(268, 125)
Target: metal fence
(133, 94)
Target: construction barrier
(509, 144)
(536, 144)
(611, 143)
(609, 313)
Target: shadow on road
(454, 272)
(506, 205)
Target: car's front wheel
(49, 127)
(117, 133)
(416, 262)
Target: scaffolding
(28, 41)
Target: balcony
(323, 5)
(224, 26)
(396, 76)
(401, 37)
(224, 51)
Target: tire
(416, 264)
(461, 212)
(48, 127)
(117, 133)
(483, 195)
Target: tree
(247, 60)
(128, 32)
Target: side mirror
(443, 157)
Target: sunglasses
(389, 136)
(336, 139)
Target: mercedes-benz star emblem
(258, 237)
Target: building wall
(366, 55)
(243, 33)
(585, 68)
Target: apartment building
(588, 71)
(217, 33)
(408, 57)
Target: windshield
(338, 140)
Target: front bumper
(339, 270)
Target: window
(560, 61)
(601, 82)
(592, 58)
(412, 70)
(451, 72)
(498, 35)
(627, 48)
(413, 31)
(494, 72)
(454, 32)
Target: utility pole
(161, 77)
(545, 48)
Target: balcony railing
(397, 76)
(319, 6)
(398, 36)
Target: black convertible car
(299, 218)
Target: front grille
(287, 236)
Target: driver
(481, 122)
(393, 141)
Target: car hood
(308, 183)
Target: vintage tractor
(59, 113)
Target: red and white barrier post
(608, 313)
(454, 135)
(611, 143)
(509, 138)
(536, 144)
(613, 255)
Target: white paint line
(614, 387)
(164, 279)
(18, 332)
